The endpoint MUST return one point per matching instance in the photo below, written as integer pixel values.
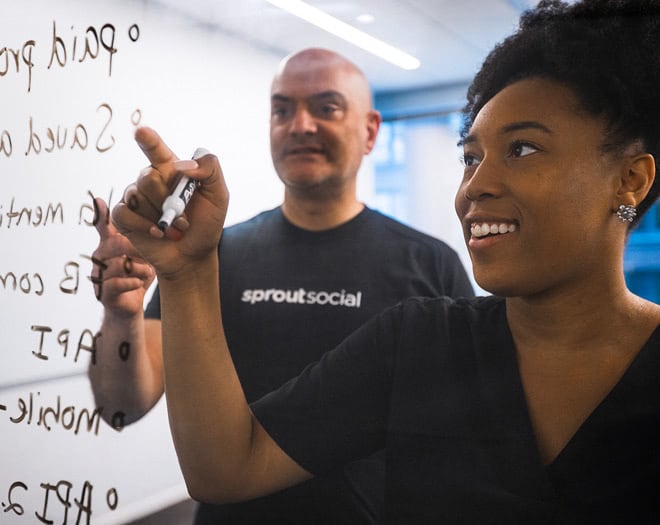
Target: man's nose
(303, 122)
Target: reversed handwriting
(86, 342)
(64, 47)
(63, 507)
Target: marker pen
(174, 205)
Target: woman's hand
(194, 236)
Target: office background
(76, 77)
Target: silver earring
(626, 213)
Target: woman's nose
(482, 183)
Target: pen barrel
(185, 193)
(175, 204)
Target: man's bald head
(322, 123)
(313, 62)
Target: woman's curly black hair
(607, 51)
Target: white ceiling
(450, 37)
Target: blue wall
(642, 260)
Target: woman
(538, 404)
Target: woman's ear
(636, 180)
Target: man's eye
(278, 112)
(327, 110)
(522, 149)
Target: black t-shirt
(288, 296)
(436, 382)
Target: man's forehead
(308, 95)
(308, 85)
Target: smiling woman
(533, 157)
(539, 404)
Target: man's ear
(373, 125)
(636, 180)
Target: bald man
(295, 281)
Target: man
(295, 280)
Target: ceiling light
(347, 32)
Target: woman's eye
(522, 149)
(469, 160)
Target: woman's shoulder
(434, 316)
(470, 306)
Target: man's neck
(314, 215)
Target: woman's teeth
(481, 230)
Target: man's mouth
(496, 228)
(305, 150)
